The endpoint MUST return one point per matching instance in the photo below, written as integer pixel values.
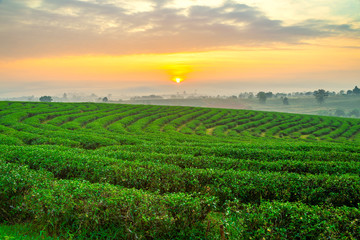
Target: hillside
(297, 104)
(116, 171)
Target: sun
(178, 79)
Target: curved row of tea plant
(110, 171)
(89, 210)
(249, 186)
(137, 119)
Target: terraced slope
(108, 171)
(41, 123)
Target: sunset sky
(48, 47)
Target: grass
(22, 232)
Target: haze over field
(119, 47)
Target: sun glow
(177, 79)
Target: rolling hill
(117, 171)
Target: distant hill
(304, 105)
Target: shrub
(275, 220)
(15, 182)
(89, 210)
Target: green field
(116, 171)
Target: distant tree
(285, 101)
(320, 95)
(269, 94)
(251, 95)
(339, 112)
(105, 99)
(356, 91)
(45, 99)
(342, 92)
(64, 96)
(349, 92)
(262, 97)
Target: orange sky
(153, 44)
(201, 66)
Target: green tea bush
(9, 140)
(110, 171)
(86, 209)
(16, 181)
(276, 220)
(226, 185)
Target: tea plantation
(112, 171)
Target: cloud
(70, 27)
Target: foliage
(84, 208)
(15, 182)
(285, 101)
(23, 232)
(276, 220)
(356, 91)
(321, 95)
(262, 96)
(45, 99)
(110, 171)
(76, 206)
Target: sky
(122, 47)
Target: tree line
(320, 95)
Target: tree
(45, 99)
(269, 95)
(356, 91)
(262, 97)
(285, 101)
(105, 99)
(320, 95)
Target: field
(117, 171)
(297, 104)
